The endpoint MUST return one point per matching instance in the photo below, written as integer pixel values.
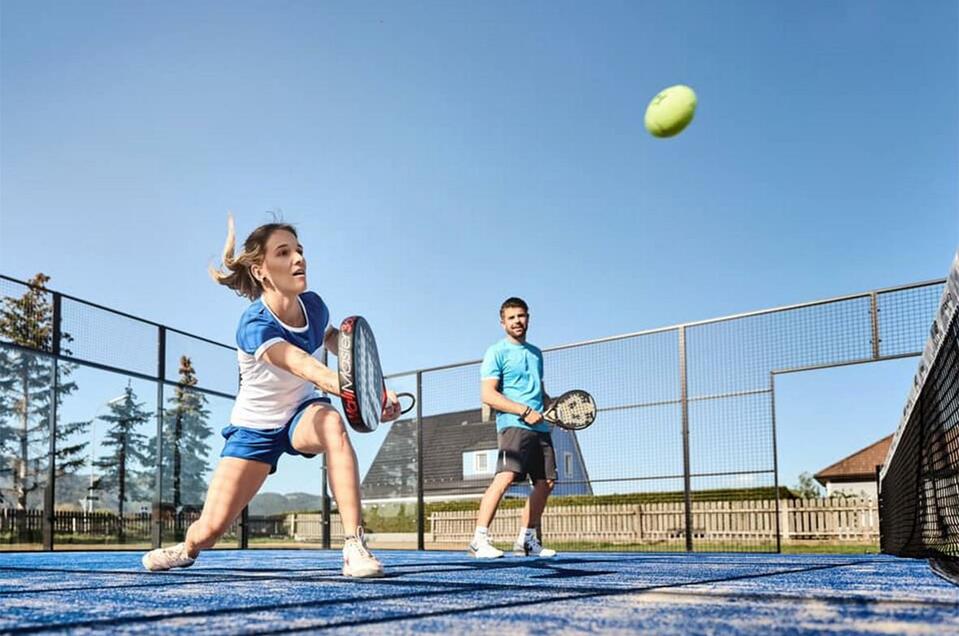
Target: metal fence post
(420, 505)
(156, 533)
(772, 406)
(874, 314)
(49, 492)
(326, 516)
(243, 535)
(684, 400)
(879, 503)
(326, 520)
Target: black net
(919, 493)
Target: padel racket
(362, 389)
(573, 410)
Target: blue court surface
(281, 591)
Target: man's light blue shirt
(518, 370)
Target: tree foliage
(124, 464)
(26, 398)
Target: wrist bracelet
(528, 410)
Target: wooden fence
(308, 526)
(827, 520)
(28, 524)
(15, 523)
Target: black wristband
(528, 410)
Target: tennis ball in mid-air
(671, 111)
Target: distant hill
(72, 489)
(273, 503)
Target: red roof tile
(860, 466)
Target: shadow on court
(273, 591)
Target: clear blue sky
(438, 157)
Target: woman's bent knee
(322, 431)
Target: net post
(687, 482)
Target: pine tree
(185, 448)
(25, 400)
(125, 466)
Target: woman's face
(283, 264)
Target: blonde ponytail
(238, 274)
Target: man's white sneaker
(532, 547)
(357, 560)
(483, 549)
(167, 558)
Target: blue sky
(438, 157)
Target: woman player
(277, 409)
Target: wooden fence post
(785, 509)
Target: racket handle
(412, 402)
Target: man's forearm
(503, 404)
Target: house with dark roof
(855, 474)
(459, 461)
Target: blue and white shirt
(268, 395)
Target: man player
(512, 384)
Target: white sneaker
(167, 558)
(483, 549)
(532, 547)
(357, 559)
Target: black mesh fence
(682, 455)
(919, 496)
(102, 383)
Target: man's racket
(362, 388)
(573, 410)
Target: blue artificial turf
(278, 591)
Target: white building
(855, 475)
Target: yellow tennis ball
(670, 111)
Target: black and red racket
(573, 410)
(362, 388)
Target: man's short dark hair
(513, 301)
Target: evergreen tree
(185, 448)
(125, 464)
(25, 397)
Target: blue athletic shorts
(266, 445)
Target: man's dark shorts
(526, 453)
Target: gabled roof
(860, 466)
(445, 438)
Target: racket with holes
(362, 389)
(573, 410)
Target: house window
(479, 463)
(568, 464)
